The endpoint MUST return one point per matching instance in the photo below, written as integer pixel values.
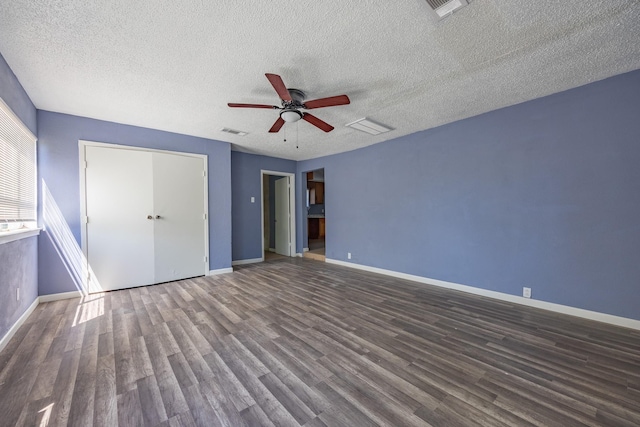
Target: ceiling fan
(292, 102)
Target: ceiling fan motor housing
(297, 99)
(290, 111)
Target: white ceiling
(174, 65)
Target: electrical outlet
(253, 200)
(526, 292)
(348, 255)
(17, 294)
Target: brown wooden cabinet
(315, 228)
(319, 193)
(318, 189)
(316, 195)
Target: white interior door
(283, 233)
(178, 188)
(146, 217)
(119, 237)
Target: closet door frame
(82, 145)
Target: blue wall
(545, 194)
(18, 270)
(18, 259)
(59, 160)
(14, 95)
(246, 181)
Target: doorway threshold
(317, 254)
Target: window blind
(17, 169)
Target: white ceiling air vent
(233, 131)
(445, 8)
(368, 126)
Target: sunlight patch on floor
(90, 307)
(46, 415)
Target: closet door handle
(149, 217)
(158, 217)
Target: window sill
(12, 236)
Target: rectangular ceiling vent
(444, 8)
(233, 131)
(368, 126)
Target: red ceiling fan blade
(277, 125)
(327, 102)
(317, 122)
(278, 85)
(234, 105)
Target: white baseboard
(220, 271)
(299, 255)
(305, 249)
(59, 296)
(11, 332)
(558, 308)
(247, 261)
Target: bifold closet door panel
(179, 207)
(119, 199)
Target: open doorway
(316, 225)
(278, 214)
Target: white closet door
(119, 198)
(179, 242)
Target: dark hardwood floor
(297, 342)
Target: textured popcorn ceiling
(174, 65)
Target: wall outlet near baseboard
(526, 292)
(348, 255)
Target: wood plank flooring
(297, 342)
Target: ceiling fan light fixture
(291, 116)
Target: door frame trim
(82, 146)
(292, 209)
